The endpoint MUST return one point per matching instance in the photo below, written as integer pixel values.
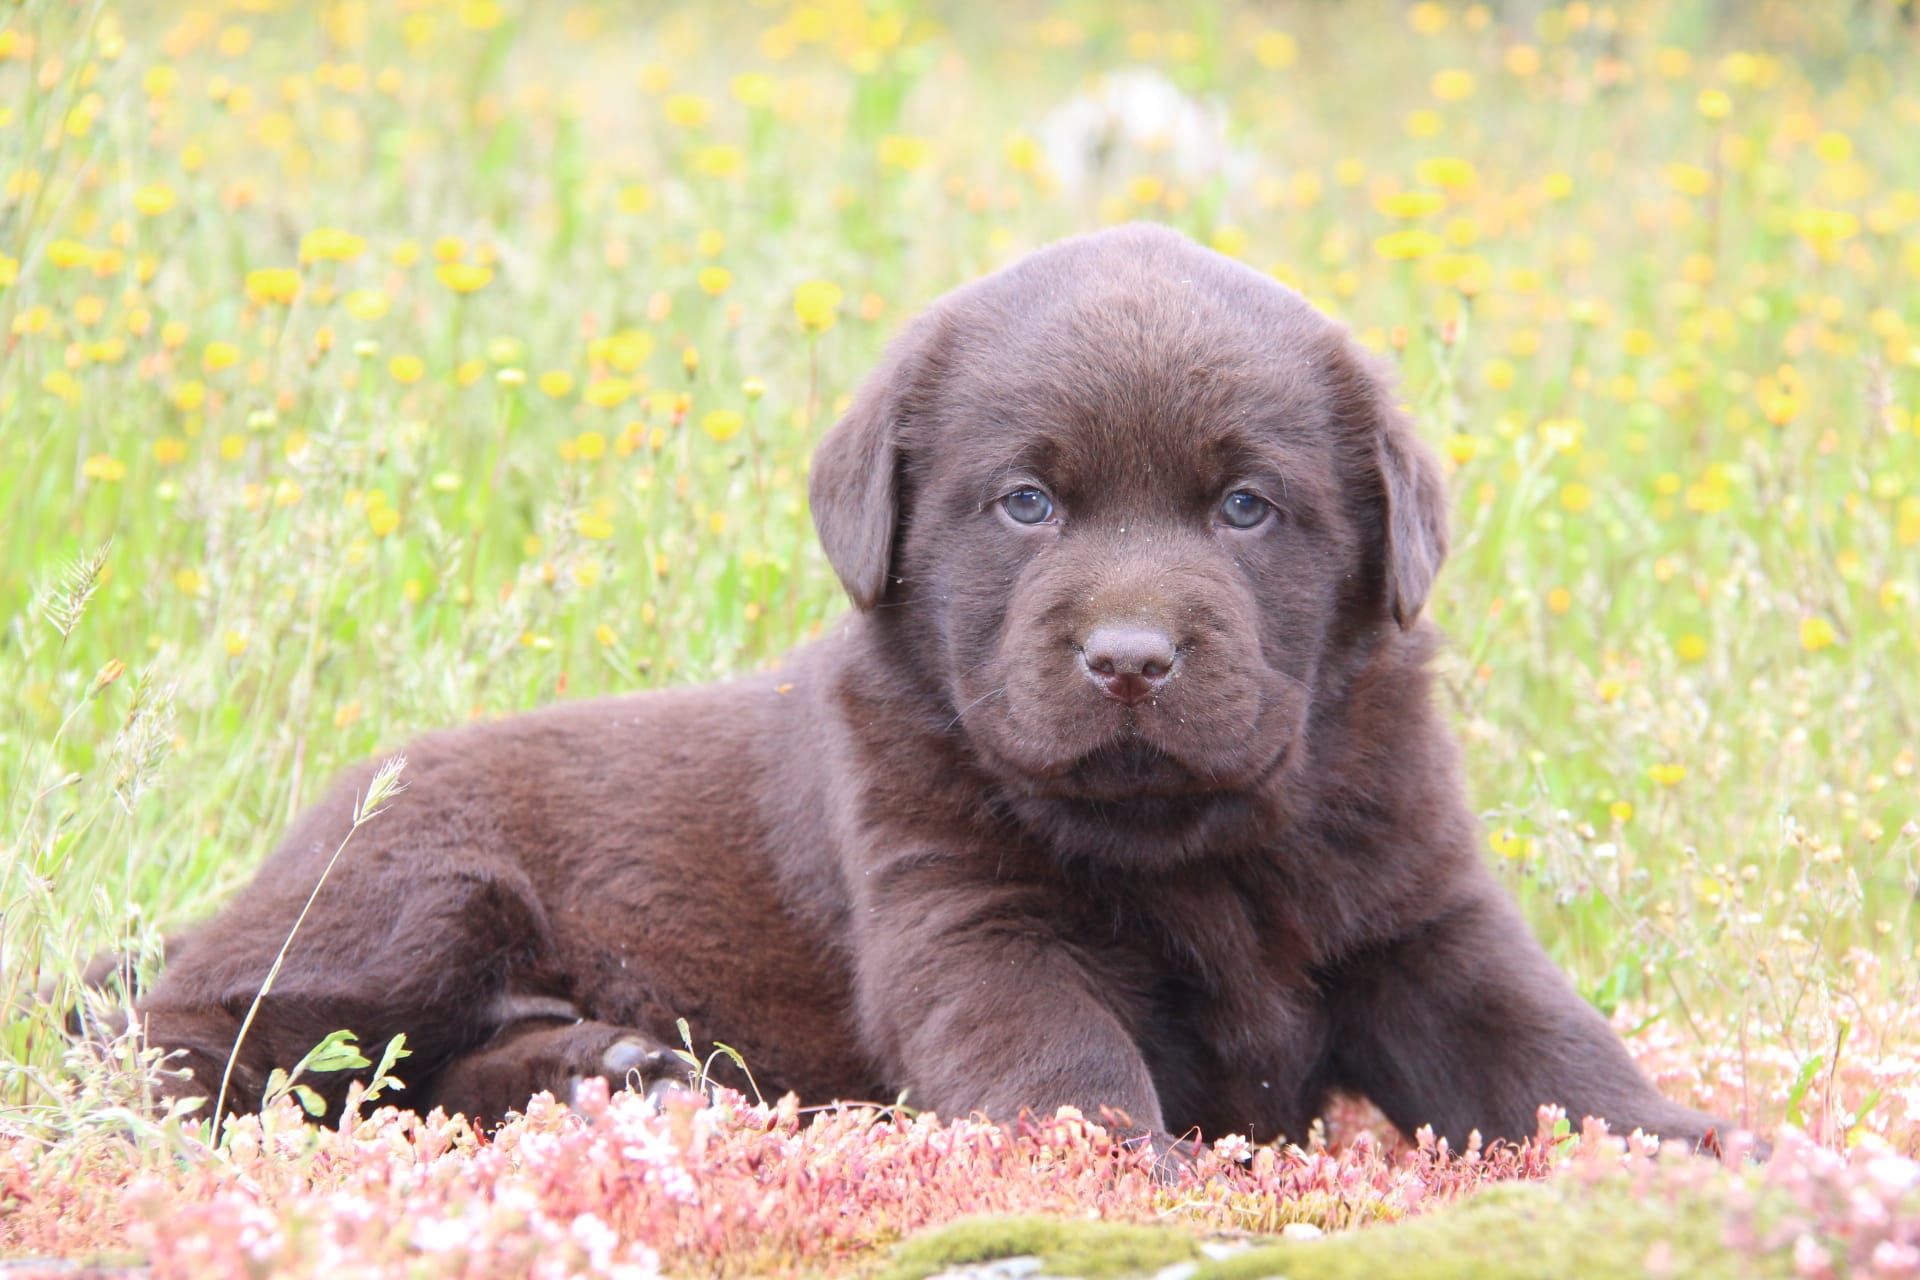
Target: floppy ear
(1416, 515)
(1413, 497)
(854, 485)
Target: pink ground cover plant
(621, 1187)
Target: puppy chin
(1139, 831)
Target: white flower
(1234, 1148)
(1134, 120)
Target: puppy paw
(642, 1066)
(632, 1062)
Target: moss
(1512, 1232)
(1068, 1247)
(1517, 1232)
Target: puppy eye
(1243, 509)
(1028, 506)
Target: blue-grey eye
(1028, 506)
(1244, 509)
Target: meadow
(370, 367)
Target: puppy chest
(1241, 1057)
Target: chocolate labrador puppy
(1122, 787)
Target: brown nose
(1128, 662)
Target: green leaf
(1860, 1114)
(311, 1102)
(1801, 1083)
(741, 1063)
(338, 1052)
(382, 1081)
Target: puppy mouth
(1210, 740)
(1125, 769)
(1131, 760)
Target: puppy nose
(1128, 663)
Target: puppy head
(1131, 508)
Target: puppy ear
(854, 485)
(1413, 497)
(1416, 516)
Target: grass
(368, 368)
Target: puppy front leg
(975, 1002)
(1467, 1024)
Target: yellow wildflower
(753, 89)
(899, 151)
(1411, 204)
(1450, 172)
(1408, 245)
(367, 305)
(687, 110)
(70, 255)
(330, 244)
(273, 284)
(816, 304)
(481, 15)
(607, 393)
(153, 199)
(463, 277)
(722, 424)
(1276, 50)
(722, 161)
(1453, 85)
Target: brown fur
(931, 853)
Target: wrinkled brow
(1297, 475)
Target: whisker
(971, 705)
